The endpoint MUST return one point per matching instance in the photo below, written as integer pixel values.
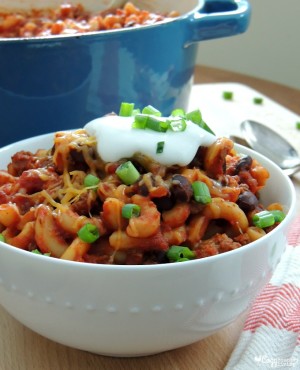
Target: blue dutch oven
(62, 82)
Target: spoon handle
(288, 171)
(239, 140)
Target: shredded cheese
(73, 187)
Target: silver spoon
(269, 143)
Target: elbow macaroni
(44, 205)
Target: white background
(269, 49)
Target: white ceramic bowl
(139, 310)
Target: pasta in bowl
(81, 225)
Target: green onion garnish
(178, 113)
(89, 233)
(267, 218)
(131, 210)
(151, 118)
(263, 219)
(196, 117)
(182, 259)
(206, 127)
(136, 111)
(151, 111)
(201, 192)
(2, 238)
(126, 109)
(258, 101)
(227, 95)
(278, 215)
(160, 147)
(178, 253)
(36, 251)
(157, 124)
(140, 121)
(128, 173)
(177, 125)
(298, 125)
(91, 180)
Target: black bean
(138, 166)
(244, 164)
(77, 161)
(247, 201)
(181, 189)
(164, 203)
(198, 160)
(143, 190)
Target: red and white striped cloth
(271, 334)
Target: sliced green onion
(227, 95)
(128, 173)
(151, 118)
(131, 210)
(263, 219)
(151, 111)
(126, 109)
(136, 111)
(177, 125)
(298, 125)
(160, 147)
(178, 113)
(157, 124)
(196, 117)
(91, 180)
(258, 101)
(2, 238)
(140, 121)
(206, 127)
(89, 233)
(278, 215)
(36, 251)
(178, 253)
(201, 192)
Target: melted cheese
(71, 189)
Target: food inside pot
(73, 19)
(114, 192)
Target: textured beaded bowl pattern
(139, 310)
(64, 81)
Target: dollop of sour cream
(117, 139)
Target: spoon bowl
(269, 143)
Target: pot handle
(218, 18)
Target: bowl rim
(284, 224)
